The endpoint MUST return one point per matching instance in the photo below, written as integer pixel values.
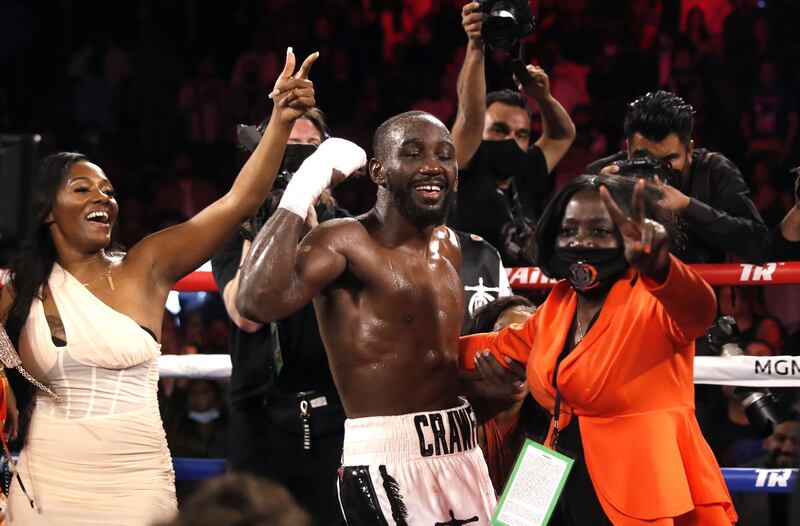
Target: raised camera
(506, 22)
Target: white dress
(99, 456)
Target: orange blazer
(631, 381)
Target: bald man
(389, 302)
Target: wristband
(314, 175)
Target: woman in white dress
(86, 323)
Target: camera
(643, 164)
(506, 22)
(518, 241)
(294, 155)
(762, 407)
(248, 138)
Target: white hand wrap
(314, 175)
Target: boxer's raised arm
(278, 276)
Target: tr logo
(771, 478)
(757, 273)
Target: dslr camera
(248, 138)
(643, 164)
(763, 409)
(506, 22)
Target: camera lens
(500, 28)
(762, 408)
(506, 22)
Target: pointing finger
(288, 67)
(306, 65)
(614, 211)
(637, 204)
(648, 229)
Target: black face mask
(505, 158)
(294, 156)
(590, 271)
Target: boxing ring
(776, 371)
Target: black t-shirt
(782, 248)
(482, 208)
(482, 273)
(300, 363)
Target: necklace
(580, 332)
(107, 277)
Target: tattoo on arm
(56, 327)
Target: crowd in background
(153, 92)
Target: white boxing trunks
(418, 469)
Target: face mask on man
(204, 417)
(505, 158)
(590, 271)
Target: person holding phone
(503, 175)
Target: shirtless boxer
(389, 303)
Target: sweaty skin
(385, 285)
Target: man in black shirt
(503, 179)
(286, 419)
(706, 189)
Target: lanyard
(557, 406)
(564, 354)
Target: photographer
(503, 179)
(786, 237)
(277, 367)
(706, 189)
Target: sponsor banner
(748, 371)
(715, 274)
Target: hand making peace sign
(646, 241)
(293, 94)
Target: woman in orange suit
(610, 353)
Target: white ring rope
(775, 371)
